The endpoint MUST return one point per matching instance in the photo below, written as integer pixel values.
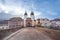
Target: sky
(42, 8)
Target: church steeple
(25, 13)
(32, 13)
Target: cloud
(16, 10)
(4, 16)
(41, 8)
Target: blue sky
(42, 8)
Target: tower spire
(25, 13)
(32, 14)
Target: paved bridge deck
(28, 34)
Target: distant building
(29, 22)
(55, 24)
(4, 24)
(45, 22)
(15, 22)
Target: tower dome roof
(25, 13)
(32, 13)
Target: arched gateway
(29, 21)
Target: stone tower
(32, 17)
(25, 16)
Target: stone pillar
(25, 16)
(24, 22)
